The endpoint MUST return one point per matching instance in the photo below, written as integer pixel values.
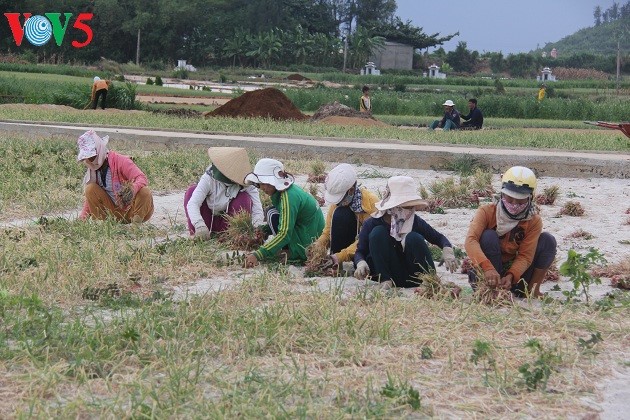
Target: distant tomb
(181, 65)
(370, 69)
(434, 72)
(546, 76)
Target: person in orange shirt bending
(505, 240)
(99, 89)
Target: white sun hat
(400, 191)
(339, 180)
(87, 144)
(269, 171)
(448, 103)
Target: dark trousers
(343, 229)
(272, 216)
(388, 261)
(102, 93)
(491, 247)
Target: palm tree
(363, 45)
(265, 47)
(237, 46)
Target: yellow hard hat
(519, 182)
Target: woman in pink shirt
(114, 185)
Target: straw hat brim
(233, 162)
(401, 201)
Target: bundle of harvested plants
(490, 295)
(572, 208)
(548, 196)
(317, 256)
(241, 233)
(431, 287)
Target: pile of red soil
(264, 103)
(298, 78)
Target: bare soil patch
(298, 78)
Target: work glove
(362, 271)
(202, 233)
(448, 256)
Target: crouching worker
(350, 207)
(220, 191)
(295, 220)
(114, 185)
(505, 239)
(392, 245)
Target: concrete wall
(394, 56)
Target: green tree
(497, 63)
(597, 15)
(363, 45)
(462, 60)
(237, 46)
(406, 33)
(265, 47)
(521, 65)
(301, 43)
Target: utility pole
(138, 49)
(618, 66)
(345, 52)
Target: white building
(370, 69)
(546, 76)
(181, 65)
(434, 71)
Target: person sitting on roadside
(99, 89)
(505, 241)
(392, 244)
(350, 206)
(451, 119)
(221, 191)
(114, 185)
(365, 104)
(474, 119)
(295, 219)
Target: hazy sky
(510, 26)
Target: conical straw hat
(233, 162)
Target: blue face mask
(346, 200)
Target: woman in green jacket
(300, 221)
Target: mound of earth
(364, 122)
(263, 103)
(298, 78)
(338, 110)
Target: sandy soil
(605, 201)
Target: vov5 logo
(39, 29)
